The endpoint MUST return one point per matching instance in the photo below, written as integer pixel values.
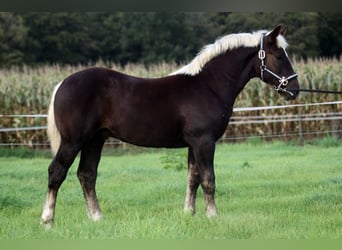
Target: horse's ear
(275, 32)
(283, 30)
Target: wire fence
(259, 126)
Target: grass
(264, 191)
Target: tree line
(36, 38)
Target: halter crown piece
(283, 81)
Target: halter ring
(262, 67)
(283, 81)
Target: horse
(190, 107)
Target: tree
(174, 36)
(302, 27)
(12, 36)
(150, 37)
(154, 36)
(329, 34)
(58, 37)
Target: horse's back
(137, 110)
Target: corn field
(27, 90)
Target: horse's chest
(213, 123)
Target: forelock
(281, 42)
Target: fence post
(335, 128)
(300, 130)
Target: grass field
(264, 191)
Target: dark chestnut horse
(189, 108)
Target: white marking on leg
(189, 206)
(95, 215)
(190, 198)
(211, 210)
(48, 210)
(94, 211)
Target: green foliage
(255, 141)
(122, 37)
(59, 38)
(174, 159)
(23, 153)
(150, 37)
(328, 141)
(302, 35)
(12, 36)
(329, 33)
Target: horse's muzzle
(290, 91)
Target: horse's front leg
(203, 151)
(192, 185)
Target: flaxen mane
(222, 45)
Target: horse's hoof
(189, 211)
(47, 225)
(212, 214)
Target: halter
(283, 81)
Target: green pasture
(264, 191)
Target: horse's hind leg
(192, 185)
(57, 173)
(87, 173)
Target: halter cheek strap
(283, 81)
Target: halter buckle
(261, 54)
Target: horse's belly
(154, 141)
(147, 134)
(158, 144)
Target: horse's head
(274, 64)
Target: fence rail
(275, 119)
(235, 120)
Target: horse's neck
(231, 72)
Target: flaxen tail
(52, 131)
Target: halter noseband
(283, 81)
